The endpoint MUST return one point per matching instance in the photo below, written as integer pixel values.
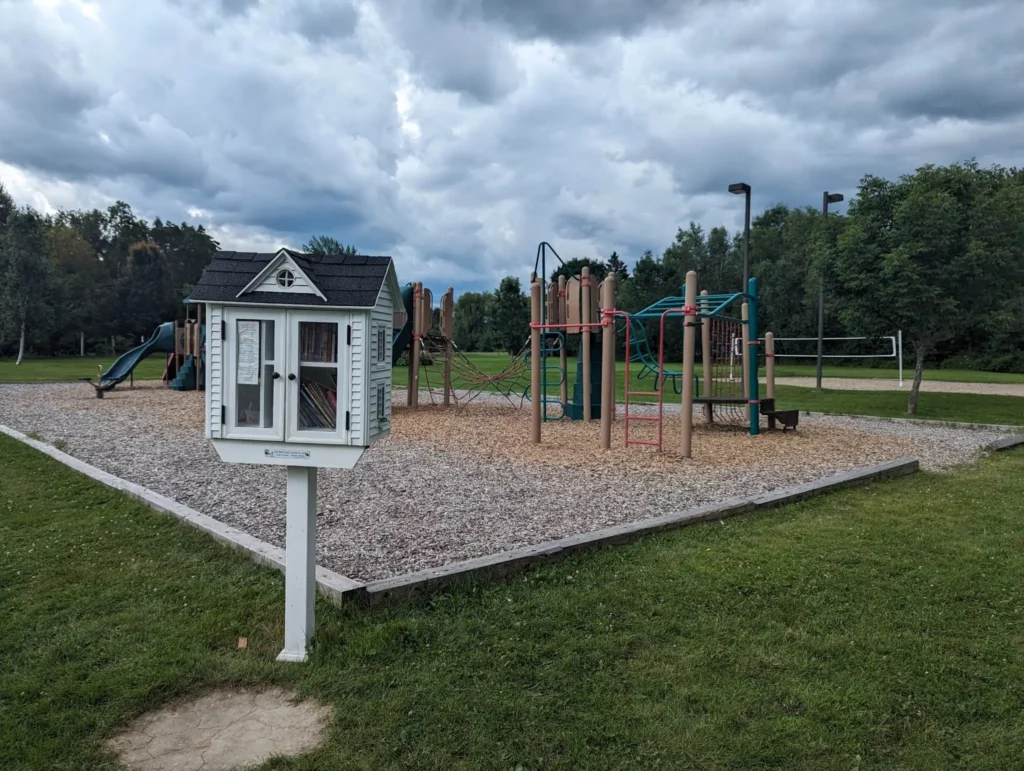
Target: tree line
(938, 254)
(98, 279)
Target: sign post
(300, 563)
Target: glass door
(254, 400)
(316, 378)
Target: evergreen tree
(618, 267)
(325, 245)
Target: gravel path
(890, 384)
(448, 487)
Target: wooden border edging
(331, 584)
(1004, 444)
(336, 586)
(516, 559)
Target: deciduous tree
(24, 275)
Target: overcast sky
(457, 134)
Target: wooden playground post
(447, 324)
(414, 354)
(745, 366)
(564, 355)
(607, 360)
(705, 362)
(585, 342)
(536, 397)
(769, 364)
(689, 344)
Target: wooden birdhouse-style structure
(298, 355)
(298, 365)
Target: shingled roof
(347, 281)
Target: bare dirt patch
(226, 729)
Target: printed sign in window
(248, 353)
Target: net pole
(899, 343)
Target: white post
(300, 563)
(899, 346)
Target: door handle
(291, 376)
(276, 375)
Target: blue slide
(161, 341)
(402, 336)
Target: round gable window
(285, 278)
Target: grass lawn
(934, 406)
(68, 368)
(968, 408)
(874, 628)
(56, 369)
(964, 408)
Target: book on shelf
(318, 405)
(318, 341)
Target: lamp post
(826, 199)
(736, 188)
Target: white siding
(383, 317)
(214, 369)
(357, 364)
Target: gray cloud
(565, 20)
(456, 135)
(237, 6)
(320, 20)
(451, 52)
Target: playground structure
(161, 341)
(184, 343)
(185, 369)
(712, 389)
(430, 342)
(579, 307)
(572, 312)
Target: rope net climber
(467, 380)
(726, 371)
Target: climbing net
(467, 380)
(726, 371)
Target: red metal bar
(609, 315)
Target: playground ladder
(546, 351)
(628, 393)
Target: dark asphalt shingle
(351, 281)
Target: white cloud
(457, 135)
